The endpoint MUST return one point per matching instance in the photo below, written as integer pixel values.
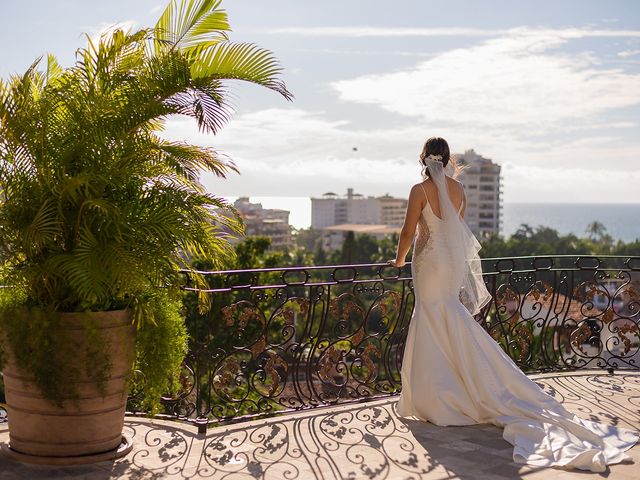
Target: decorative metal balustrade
(282, 339)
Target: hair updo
(437, 146)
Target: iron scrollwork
(283, 339)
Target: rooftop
(352, 441)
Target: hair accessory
(435, 157)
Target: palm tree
(95, 207)
(596, 231)
(524, 231)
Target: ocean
(621, 220)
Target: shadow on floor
(358, 441)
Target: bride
(453, 372)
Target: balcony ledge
(357, 440)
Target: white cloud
(516, 99)
(285, 152)
(286, 135)
(382, 32)
(368, 31)
(104, 28)
(628, 53)
(270, 176)
(512, 82)
(377, 53)
(296, 152)
(546, 184)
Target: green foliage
(308, 238)
(547, 241)
(158, 362)
(96, 208)
(319, 254)
(363, 248)
(43, 350)
(525, 241)
(253, 252)
(349, 250)
(631, 248)
(97, 211)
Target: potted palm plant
(98, 214)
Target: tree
(319, 253)
(98, 212)
(596, 231)
(631, 248)
(96, 206)
(386, 249)
(367, 249)
(348, 249)
(307, 238)
(523, 232)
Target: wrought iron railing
(281, 339)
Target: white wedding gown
(454, 373)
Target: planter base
(124, 448)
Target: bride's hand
(396, 263)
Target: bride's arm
(416, 204)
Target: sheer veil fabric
(454, 373)
(462, 246)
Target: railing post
(202, 425)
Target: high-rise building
(392, 210)
(332, 209)
(482, 183)
(265, 222)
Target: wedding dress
(454, 373)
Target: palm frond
(240, 61)
(206, 105)
(191, 24)
(191, 160)
(95, 208)
(54, 70)
(44, 228)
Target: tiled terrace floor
(357, 441)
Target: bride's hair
(437, 146)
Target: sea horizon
(565, 217)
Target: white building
(482, 182)
(392, 210)
(332, 209)
(264, 222)
(336, 215)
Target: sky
(549, 89)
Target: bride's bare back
(456, 195)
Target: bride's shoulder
(417, 192)
(420, 187)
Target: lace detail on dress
(423, 242)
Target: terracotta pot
(86, 425)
